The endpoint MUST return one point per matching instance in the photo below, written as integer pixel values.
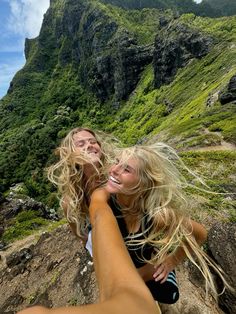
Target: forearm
(116, 273)
(108, 246)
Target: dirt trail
(223, 146)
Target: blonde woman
(83, 166)
(83, 158)
(152, 211)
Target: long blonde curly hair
(68, 175)
(160, 199)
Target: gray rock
(15, 203)
(229, 95)
(21, 257)
(12, 301)
(59, 272)
(174, 47)
(222, 246)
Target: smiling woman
(83, 160)
(123, 177)
(146, 194)
(86, 143)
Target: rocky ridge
(56, 270)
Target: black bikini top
(137, 252)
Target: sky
(19, 19)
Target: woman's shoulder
(100, 194)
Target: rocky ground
(56, 270)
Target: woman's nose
(88, 145)
(116, 169)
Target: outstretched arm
(122, 291)
(117, 277)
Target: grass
(217, 168)
(27, 223)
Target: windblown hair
(160, 199)
(68, 175)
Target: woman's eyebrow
(85, 139)
(129, 168)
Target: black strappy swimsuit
(166, 292)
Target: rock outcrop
(120, 72)
(222, 246)
(229, 95)
(14, 203)
(175, 46)
(57, 271)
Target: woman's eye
(117, 161)
(79, 144)
(126, 169)
(93, 142)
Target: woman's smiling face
(123, 177)
(85, 141)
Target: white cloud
(197, 1)
(26, 16)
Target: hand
(146, 272)
(162, 271)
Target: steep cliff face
(174, 48)
(106, 57)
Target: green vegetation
(217, 168)
(23, 225)
(27, 223)
(142, 24)
(69, 81)
(212, 8)
(189, 93)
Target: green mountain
(142, 74)
(221, 8)
(211, 8)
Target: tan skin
(121, 288)
(123, 179)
